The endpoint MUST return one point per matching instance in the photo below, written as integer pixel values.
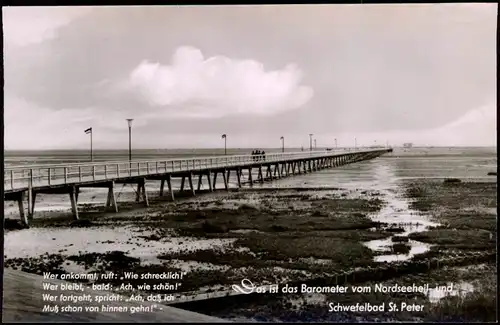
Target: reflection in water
(396, 212)
(376, 176)
(128, 239)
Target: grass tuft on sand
(466, 210)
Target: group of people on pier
(258, 155)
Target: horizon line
(251, 148)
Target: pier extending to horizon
(25, 182)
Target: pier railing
(21, 177)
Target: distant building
(407, 145)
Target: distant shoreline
(288, 149)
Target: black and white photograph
(250, 163)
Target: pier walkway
(21, 182)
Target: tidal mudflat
(366, 215)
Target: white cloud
(28, 25)
(217, 86)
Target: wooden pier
(23, 183)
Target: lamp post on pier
(89, 131)
(336, 143)
(225, 143)
(310, 142)
(282, 144)
(315, 147)
(129, 121)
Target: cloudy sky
(400, 73)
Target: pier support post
(250, 179)
(22, 214)
(209, 182)
(224, 177)
(77, 193)
(31, 212)
(215, 180)
(182, 183)
(261, 177)
(238, 175)
(141, 192)
(162, 186)
(200, 182)
(74, 207)
(190, 179)
(277, 168)
(30, 200)
(169, 184)
(111, 201)
(138, 192)
(144, 192)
